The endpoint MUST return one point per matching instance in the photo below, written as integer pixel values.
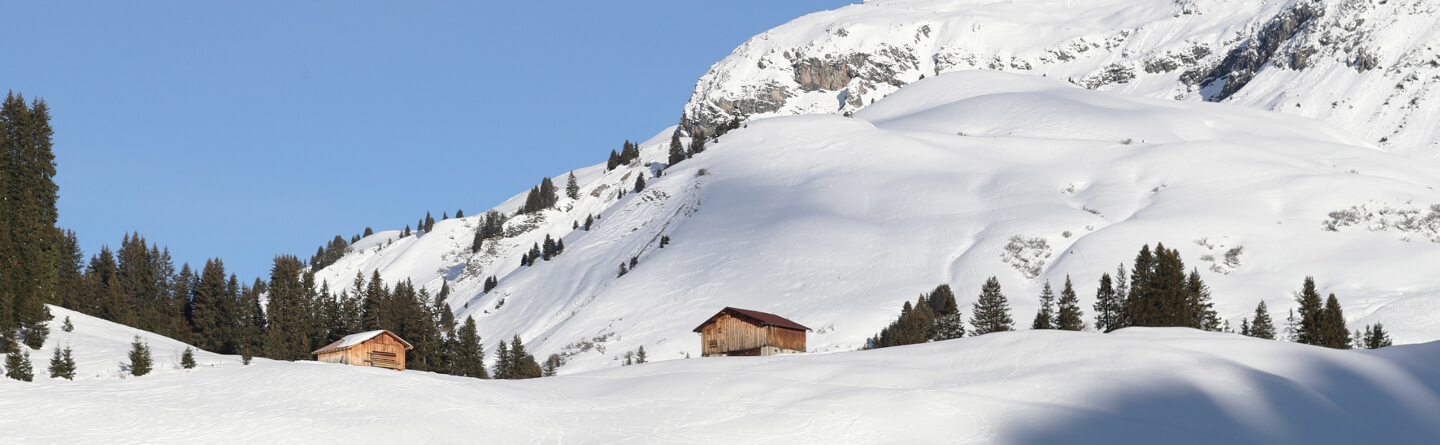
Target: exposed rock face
(1367, 66)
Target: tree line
(1155, 292)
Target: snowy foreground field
(1132, 386)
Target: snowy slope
(1370, 67)
(834, 222)
(101, 349)
(1133, 386)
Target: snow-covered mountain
(1136, 385)
(1369, 66)
(835, 221)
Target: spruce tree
(503, 362)
(572, 188)
(991, 312)
(523, 365)
(1376, 337)
(1261, 326)
(291, 319)
(1069, 317)
(17, 366)
(1311, 319)
(640, 355)
(1332, 325)
(470, 353)
(67, 326)
(552, 365)
(140, 363)
(639, 183)
(697, 143)
(1108, 308)
(677, 152)
(62, 364)
(429, 222)
(1202, 310)
(459, 213)
(187, 358)
(1045, 316)
(29, 242)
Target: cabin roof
(761, 318)
(354, 339)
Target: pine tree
(503, 362)
(29, 242)
(613, 161)
(991, 313)
(140, 362)
(677, 152)
(1262, 327)
(1310, 328)
(470, 353)
(1202, 310)
(552, 365)
(1376, 337)
(1069, 316)
(639, 183)
(1045, 317)
(459, 213)
(640, 355)
(429, 222)
(589, 220)
(368, 231)
(291, 319)
(523, 365)
(697, 143)
(572, 188)
(17, 366)
(187, 358)
(62, 364)
(67, 326)
(1108, 307)
(1332, 325)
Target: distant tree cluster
(330, 253)
(629, 152)
(492, 226)
(541, 197)
(933, 316)
(1159, 293)
(512, 362)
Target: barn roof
(761, 318)
(354, 339)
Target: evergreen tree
(1262, 327)
(697, 143)
(589, 219)
(140, 362)
(991, 312)
(1310, 327)
(213, 311)
(503, 362)
(67, 326)
(470, 353)
(677, 152)
(369, 231)
(62, 364)
(639, 183)
(572, 188)
(187, 358)
(1376, 337)
(613, 161)
(490, 283)
(1202, 310)
(17, 366)
(29, 242)
(1045, 317)
(1108, 307)
(459, 213)
(522, 364)
(291, 320)
(1334, 334)
(640, 355)
(1069, 316)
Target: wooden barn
(740, 332)
(381, 349)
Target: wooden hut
(740, 332)
(381, 349)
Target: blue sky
(251, 129)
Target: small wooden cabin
(381, 349)
(740, 332)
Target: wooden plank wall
(360, 354)
(787, 338)
(728, 333)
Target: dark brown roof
(758, 317)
